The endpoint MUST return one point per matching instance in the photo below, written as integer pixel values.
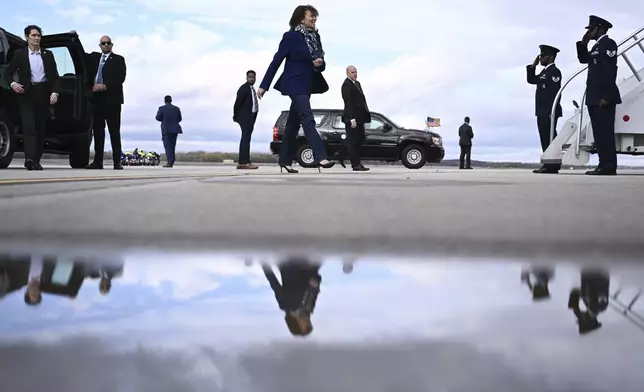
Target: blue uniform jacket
(299, 77)
(601, 82)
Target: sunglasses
(106, 43)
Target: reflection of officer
(594, 292)
(297, 295)
(548, 83)
(602, 94)
(539, 288)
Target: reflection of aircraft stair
(626, 309)
(574, 142)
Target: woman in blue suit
(302, 76)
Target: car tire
(7, 140)
(304, 156)
(414, 156)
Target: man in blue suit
(170, 117)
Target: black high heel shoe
(341, 162)
(327, 165)
(288, 169)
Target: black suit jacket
(114, 72)
(20, 62)
(355, 103)
(465, 135)
(243, 107)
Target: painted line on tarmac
(27, 181)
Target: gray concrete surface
(432, 211)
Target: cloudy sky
(440, 58)
(385, 325)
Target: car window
(318, 117)
(64, 61)
(375, 124)
(337, 122)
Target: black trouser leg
(603, 122)
(543, 124)
(34, 113)
(113, 119)
(354, 140)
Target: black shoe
(38, 166)
(30, 164)
(360, 168)
(94, 166)
(118, 166)
(547, 170)
(288, 169)
(601, 172)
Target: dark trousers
(244, 142)
(34, 112)
(109, 113)
(169, 144)
(355, 139)
(543, 124)
(603, 122)
(466, 156)
(300, 113)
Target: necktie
(254, 99)
(99, 76)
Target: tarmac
(437, 212)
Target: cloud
(445, 58)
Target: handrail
(638, 41)
(626, 310)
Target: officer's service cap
(548, 50)
(594, 21)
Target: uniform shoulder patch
(611, 53)
(556, 79)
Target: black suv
(385, 141)
(69, 127)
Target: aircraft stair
(626, 308)
(574, 142)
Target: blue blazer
(170, 117)
(298, 77)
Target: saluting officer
(548, 83)
(602, 94)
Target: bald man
(356, 115)
(106, 75)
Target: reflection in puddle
(266, 323)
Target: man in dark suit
(356, 115)
(37, 88)
(107, 72)
(602, 93)
(245, 112)
(548, 83)
(465, 136)
(170, 117)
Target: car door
(335, 135)
(381, 139)
(71, 114)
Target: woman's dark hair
(299, 12)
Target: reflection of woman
(594, 292)
(302, 48)
(297, 295)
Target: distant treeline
(206, 157)
(221, 157)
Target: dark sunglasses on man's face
(106, 43)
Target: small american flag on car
(433, 122)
